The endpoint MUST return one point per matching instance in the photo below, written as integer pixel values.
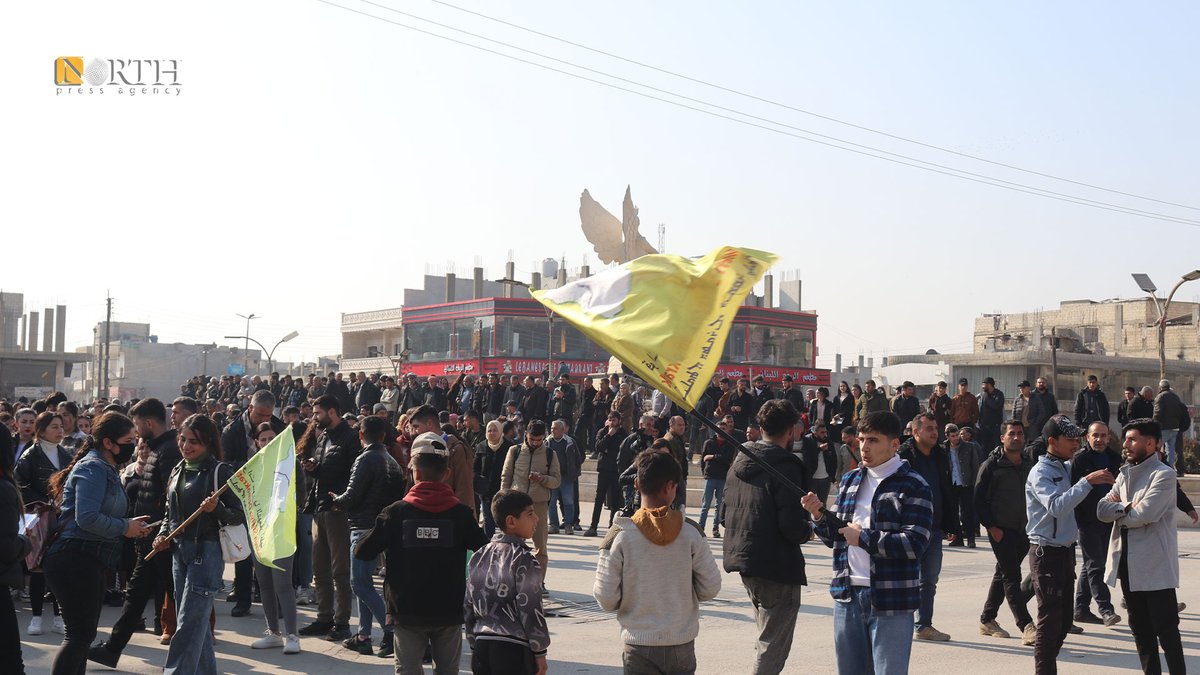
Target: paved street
(586, 640)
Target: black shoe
(361, 646)
(1075, 630)
(1086, 616)
(970, 543)
(232, 597)
(316, 628)
(140, 625)
(257, 597)
(100, 653)
(114, 598)
(716, 533)
(956, 543)
(387, 646)
(340, 631)
(240, 610)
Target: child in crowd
(504, 620)
(639, 574)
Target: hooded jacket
(426, 536)
(640, 576)
(764, 522)
(1050, 501)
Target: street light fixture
(270, 352)
(1144, 283)
(246, 347)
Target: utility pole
(107, 333)
(1054, 360)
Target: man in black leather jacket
(329, 468)
(375, 483)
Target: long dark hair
(111, 426)
(42, 423)
(308, 440)
(206, 431)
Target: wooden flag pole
(190, 520)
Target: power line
(809, 112)
(903, 160)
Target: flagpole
(184, 524)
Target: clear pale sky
(318, 160)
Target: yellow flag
(664, 316)
(266, 485)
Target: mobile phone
(156, 523)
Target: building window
(769, 345)
(429, 341)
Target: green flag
(267, 487)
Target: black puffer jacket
(375, 482)
(13, 544)
(334, 455)
(183, 500)
(34, 470)
(237, 443)
(765, 524)
(151, 499)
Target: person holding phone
(94, 510)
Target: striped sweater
(901, 518)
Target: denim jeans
(1170, 439)
(866, 642)
(712, 487)
(1093, 544)
(302, 571)
(198, 568)
(566, 494)
(931, 569)
(489, 521)
(370, 603)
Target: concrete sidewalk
(587, 640)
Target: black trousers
(1006, 581)
(965, 495)
(497, 657)
(1154, 620)
(1093, 545)
(78, 581)
(607, 489)
(243, 581)
(151, 580)
(10, 635)
(1053, 570)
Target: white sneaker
(35, 626)
(292, 645)
(268, 641)
(59, 627)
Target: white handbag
(235, 540)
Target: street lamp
(1143, 281)
(246, 348)
(549, 319)
(270, 352)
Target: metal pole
(246, 349)
(775, 473)
(107, 329)
(1054, 360)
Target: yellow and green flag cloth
(665, 317)
(267, 487)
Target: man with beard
(1144, 547)
(991, 414)
(329, 469)
(1042, 406)
(1093, 532)
(871, 401)
(461, 475)
(906, 406)
(939, 405)
(964, 408)
(237, 446)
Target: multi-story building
(496, 332)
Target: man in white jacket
(1144, 547)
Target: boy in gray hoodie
(638, 574)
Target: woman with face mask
(94, 510)
(198, 562)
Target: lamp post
(205, 349)
(549, 319)
(246, 348)
(1144, 283)
(270, 352)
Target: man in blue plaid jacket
(885, 511)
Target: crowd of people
(410, 475)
